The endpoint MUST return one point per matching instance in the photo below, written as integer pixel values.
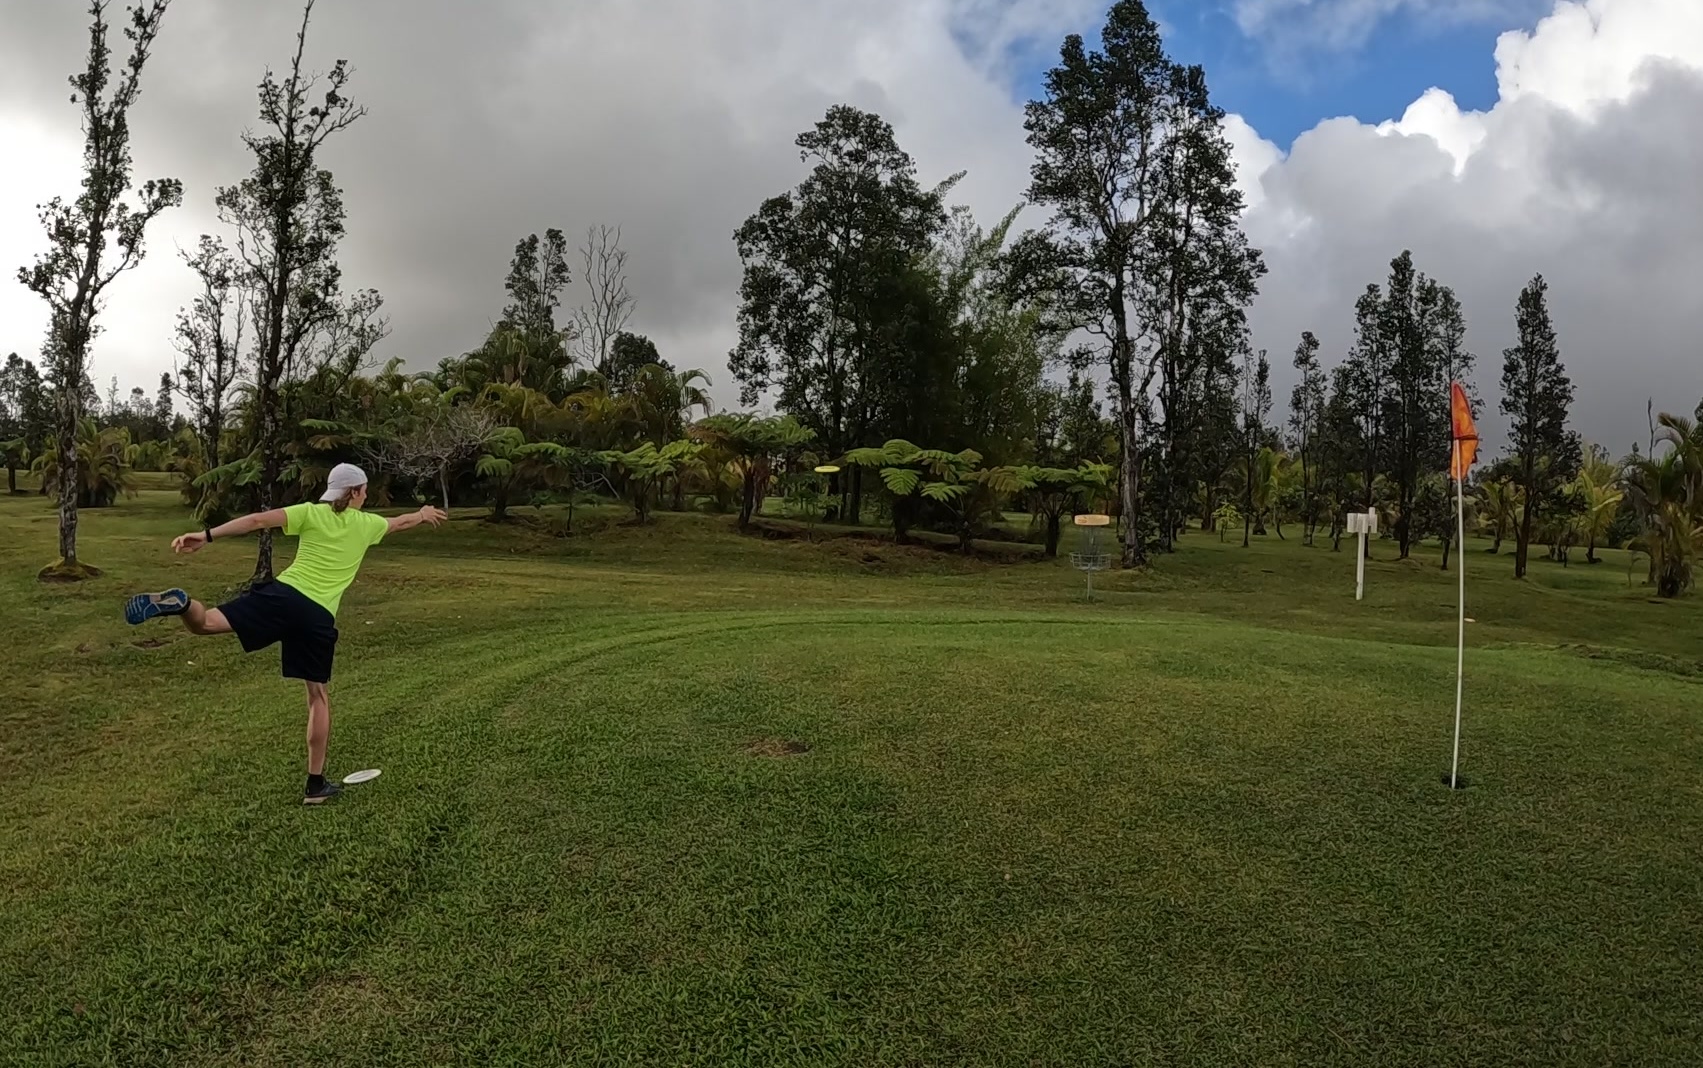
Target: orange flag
(1465, 434)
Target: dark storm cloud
(671, 119)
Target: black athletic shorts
(279, 613)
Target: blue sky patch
(1284, 95)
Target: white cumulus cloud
(675, 118)
(1586, 169)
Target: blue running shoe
(145, 606)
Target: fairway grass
(1197, 822)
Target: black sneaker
(325, 793)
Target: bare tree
(288, 214)
(610, 305)
(442, 438)
(209, 339)
(75, 271)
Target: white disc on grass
(360, 776)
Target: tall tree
(1422, 334)
(288, 215)
(209, 343)
(26, 416)
(1536, 394)
(1196, 274)
(161, 413)
(537, 275)
(1255, 406)
(1362, 389)
(821, 266)
(966, 359)
(1306, 410)
(93, 239)
(1097, 136)
(608, 306)
(1217, 438)
(1143, 238)
(1341, 448)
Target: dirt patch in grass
(151, 643)
(61, 572)
(775, 748)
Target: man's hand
(188, 543)
(431, 515)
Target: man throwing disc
(298, 611)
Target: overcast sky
(674, 118)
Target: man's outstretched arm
(428, 515)
(245, 524)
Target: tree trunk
(1404, 525)
(11, 479)
(1445, 552)
(749, 502)
(68, 482)
(1307, 518)
(901, 520)
(1129, 490)
(1591, 551)
(1248, 500)
(443, 483)
(1053, 535)
(1129, 481)
(68, 476)
(1277, 523)
(1523, 538)
(269, 433)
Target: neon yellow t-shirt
(330, 549)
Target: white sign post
(1361, 524)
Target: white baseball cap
(344, 477)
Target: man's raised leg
(199, 619)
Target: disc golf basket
(818, 505)
(1091, 559)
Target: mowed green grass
(1197, 822)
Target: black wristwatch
(207, 532)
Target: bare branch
(609, 306)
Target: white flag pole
(1460, 647)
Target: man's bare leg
(318, 726)
(199, 619)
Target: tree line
(948, 369)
